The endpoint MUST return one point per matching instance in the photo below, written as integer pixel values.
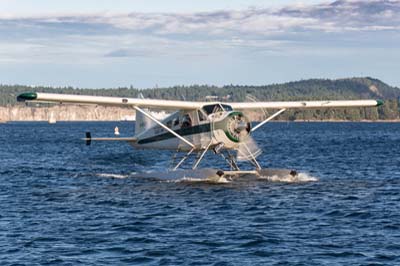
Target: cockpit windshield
(215, 108)
(227, 107)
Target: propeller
(247, 149)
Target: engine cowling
(238, 127)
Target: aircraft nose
(237, 127)
(241, 126)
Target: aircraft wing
(186, 105)
(110, 101)
(305, 104)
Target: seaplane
(194, 128)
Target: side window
(209, 109)
(217, 108)
(176, 122)
(186, 121)
(202, 117)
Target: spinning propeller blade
(248, 149)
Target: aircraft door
(201, 139)
(188, 124)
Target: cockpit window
(215, 108)
(227, 107)
(209, 109)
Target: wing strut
(183, 159)
(268, 119)
(164, 126)
(89, 139)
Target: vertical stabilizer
(142, 123)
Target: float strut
(183, 159)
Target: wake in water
(212, 180)
(112, 175)
(219, 180)
(299, 178)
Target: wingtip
(27, 96)
(379, 102)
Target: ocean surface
(64, 203)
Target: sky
(149, 43)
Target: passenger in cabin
(176, 122)
(186, 121)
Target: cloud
(120, 53)
(342, 16)
(117, 35)
(129, 52)
(339, 15)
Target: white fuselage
(201, 129)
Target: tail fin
(88, 138)
(142, 123)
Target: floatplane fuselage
(212, 125)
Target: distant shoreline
(101, 113)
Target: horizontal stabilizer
(89, 139)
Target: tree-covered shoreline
(312, 89)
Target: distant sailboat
(52, 119)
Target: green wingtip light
(27, 96)
(379, 102)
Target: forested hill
(312, 89)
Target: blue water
(63, 203)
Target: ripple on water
(67, 204)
